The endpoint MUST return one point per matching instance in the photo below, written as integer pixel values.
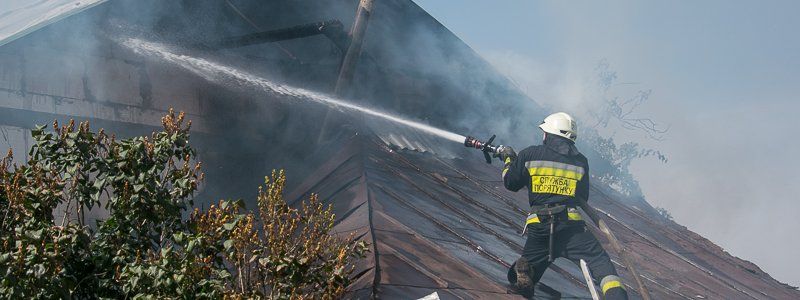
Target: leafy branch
(145, 247)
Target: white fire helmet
(560, 124)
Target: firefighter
(555, 174)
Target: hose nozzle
(485, 147)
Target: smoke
(727, 94)
(410, 65)
(556, 88)
(226, 75)
(731, 181)
(711, 182)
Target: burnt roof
(448, 226)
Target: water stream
(219, 73)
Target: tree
(145, 248)
(610, 109)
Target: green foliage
(618, 158)
(144, 248)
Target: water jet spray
(220, 73)
(215, 72)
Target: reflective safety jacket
(554, 173)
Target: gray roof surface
(448, 226)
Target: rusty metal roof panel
(446, 225)
(403, 138)
(425, 234)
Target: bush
(145, 247)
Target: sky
(725, 79)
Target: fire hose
(622, 252)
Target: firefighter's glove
(506, 154)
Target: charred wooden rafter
(332, 29)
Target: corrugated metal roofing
(448, 226)
(404, 138)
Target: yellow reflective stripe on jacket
(508, 163)
(552, 168)
(550, 177)
(610, 282)
(545, 171)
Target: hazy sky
(725, 76)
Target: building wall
(65, 71)
(41, 80)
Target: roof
(448, 226)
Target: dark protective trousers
(574, 242)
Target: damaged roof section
(448, 226)
(404, 138)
